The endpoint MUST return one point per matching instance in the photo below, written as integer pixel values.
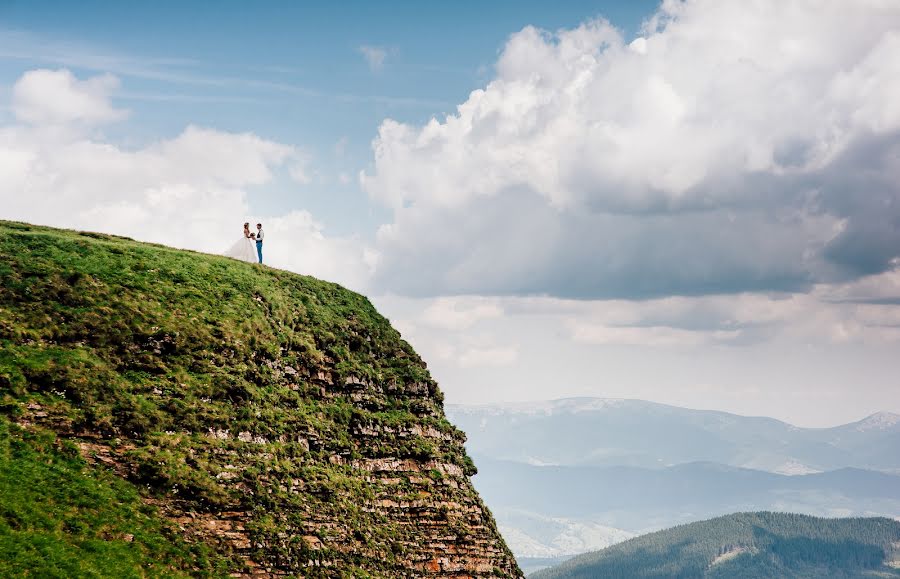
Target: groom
(259, 240)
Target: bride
(244, 249)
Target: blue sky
(694, 202)
(287, 71)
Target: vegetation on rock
(276, 418)
(61, 518)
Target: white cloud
(188, 191)
(719, 152)
(471, 331)
(375, 56)
(737, 320)
(766, 354)
(448, 329)
(185, 191)
(645, 336)
(458, 313)
(56, 97)
(495, 356)
(297, 242)
(299, 172)
(882, 288)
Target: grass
(130, 338)
(221, 385)
(61, 518)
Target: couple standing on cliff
(244, 250)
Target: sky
(694, 203)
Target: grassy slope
(61, 518)
(765, 545)
(153, 349)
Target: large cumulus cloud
(192, 190)
(733, 146)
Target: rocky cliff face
(273, 416)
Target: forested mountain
(748, 545)
(661, 465)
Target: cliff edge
(249, 421)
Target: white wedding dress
(244, 250)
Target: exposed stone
(306, 440)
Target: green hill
(166, 412)
(749, 545)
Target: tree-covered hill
(210, 416)
(749, 545)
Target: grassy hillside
(274, 417)
(749, 545)
(61, 518)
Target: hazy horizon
(525, 404)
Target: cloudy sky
(695, 203)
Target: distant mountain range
(750, 546)
(606, 432)
(640, 499)
(591, 472)
(549, 537)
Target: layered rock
(275, 416)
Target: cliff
(221, 418)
